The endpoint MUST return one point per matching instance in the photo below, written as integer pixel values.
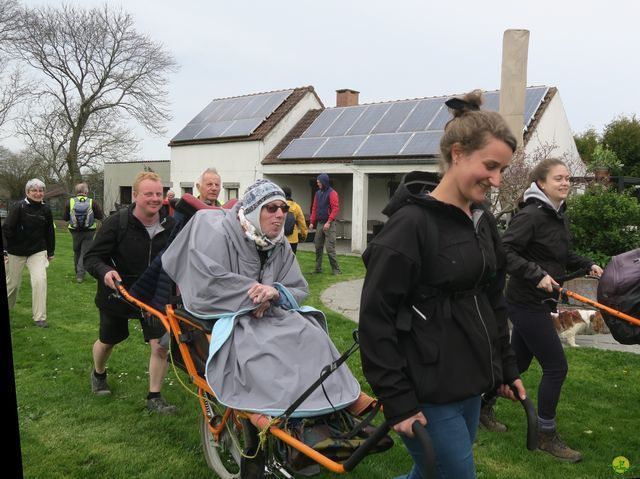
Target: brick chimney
(346, 97)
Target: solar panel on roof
(369, 119)
(324, 121)
(423, 143)
(345, 121)
(189, 131)
(234, 108)
(440, 120)
(273, 101)
(302, 148)
(532, 102)
(422, 114)
(491, 101)
(394, 117)
(214, 130)
(231, 117)
(402, 128)
(239, 126)
(202, 116)
(386, 144)
(340, 146)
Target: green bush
(604, 223)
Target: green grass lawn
(66, 432)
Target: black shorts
(114, 328)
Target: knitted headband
(259, 194)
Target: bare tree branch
(47, 135)
(97, 69)
(15, 170)
(13, 87)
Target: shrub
(604, 223)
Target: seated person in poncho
(237, 268)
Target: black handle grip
(532, 419)
(419, 431)
(427, 447)
(362, 451)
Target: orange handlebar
(595, 304)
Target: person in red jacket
(326, 205)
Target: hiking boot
(488, 420)
(161, 406)
(99, 386)
(550, 442)
(41, 323)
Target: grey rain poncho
(258, 365)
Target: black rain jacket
(130, 256)
(29, 229)
(433, 324)
(537, 242)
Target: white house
(234, 135)
(289, 137)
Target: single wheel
(228, 456)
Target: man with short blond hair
(124, 247)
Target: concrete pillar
(515, 52)
(359, 212)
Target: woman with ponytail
(433, 321)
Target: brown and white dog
(569, 322)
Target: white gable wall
(308, 102)
(553, 129)
(235, 162)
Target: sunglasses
(271, 208)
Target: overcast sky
(390, 50)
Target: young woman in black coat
(433, 321)
(538, 250)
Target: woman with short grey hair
(29, 239)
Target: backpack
(619, 288)
(81, 213)
(289, 223)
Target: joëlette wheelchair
(240, 444)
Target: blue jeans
(452, 428)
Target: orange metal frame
(601, 306)
(171, 322)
